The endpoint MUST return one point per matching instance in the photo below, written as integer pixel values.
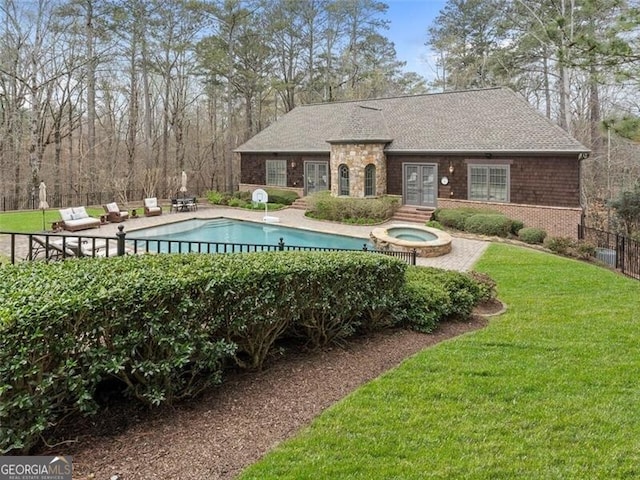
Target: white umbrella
(42, 196)
(183, 188)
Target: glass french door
(420, 186)
(316, 177)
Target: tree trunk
(545, 79)
(132, 126)
(91, 86)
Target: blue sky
(409, 20)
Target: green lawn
(548, 390)
(31, 221)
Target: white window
(277, 173)
(343, 173)
(489, 183)
(370, 180)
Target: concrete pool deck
(464, 254)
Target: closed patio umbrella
(42, 196)
(183, 187)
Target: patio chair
(114, 214)
(184, 204)
(77, 218)
(50, 249)
(191, 203)
(151, 207)
(101, 248)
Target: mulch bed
(218, 434)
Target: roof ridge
(481, 120)
(393, 97)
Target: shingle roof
(489, 120)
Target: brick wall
(556, 221)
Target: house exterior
(480, 148)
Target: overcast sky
(408, 31)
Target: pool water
(224, 230)
(411, 234)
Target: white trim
(279, 162)
(489, 165)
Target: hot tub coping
(441, 245)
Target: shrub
(167, 325)
(559, 245)
(571, 248)
(532, 235)
(217, 198)
(585, 250)
(284, 197)
(434, 224)
(516, 226)
(237, 202)
(260, 206)
(486, 286)
(243, 195)
(324, 206)
(488, 224)
(344, 293)
(452, 218)
(456, 217)
(627, 208)
(422, 305)
(432, 295)
(65, 327)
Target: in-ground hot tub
(428, 242)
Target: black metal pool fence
(54, 246)
(617, 251)
(55, 200)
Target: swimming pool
(224, 230)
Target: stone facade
(356, 156)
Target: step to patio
(299, 204)
(409, 213)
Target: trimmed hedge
(456, 217)
(324, 206)
(479, 221)
(283, 197)
(277, 198)
(488, 224)
(532, 235)
(432, 295)
(166, 325)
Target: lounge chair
(98, 247)
(77, 218)
(114, 214)
(151, 207)
(51, 249)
